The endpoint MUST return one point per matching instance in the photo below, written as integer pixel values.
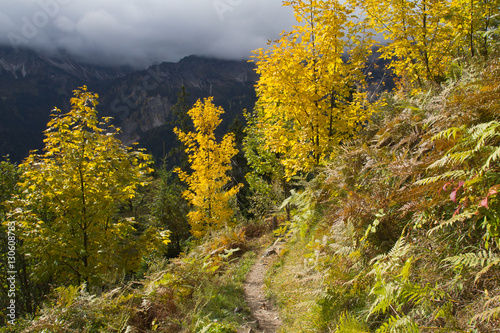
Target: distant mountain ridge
(140, 101)
(31, 85)
(22, 63)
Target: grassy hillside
(399, 232)
(394, 234)
(386, 209)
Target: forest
(386, 204)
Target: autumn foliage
(311, 83)
(388, 210)
(210, 192)
(72, 194)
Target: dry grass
(296, 287)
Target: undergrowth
(200, 291)
(401, 228)
(398, 232)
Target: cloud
(142, 32)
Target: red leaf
(493, 190)
(453, 195)
(484, 202)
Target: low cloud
(142, 32)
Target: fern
(386, 293)
(485, 131)
(473, 161)
(450, 222)
(343, 250)
(475, 152)
(417, 294)
(391, 277)
(304, 211)
(452, 174)
(399, 324)
(494, 156)
(349, 324)
(400, 249)
(484, 259)
(400, 298)
(448, 133)
(490, 314)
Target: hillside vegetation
(387, 205)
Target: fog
(141, 33)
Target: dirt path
(266, 319)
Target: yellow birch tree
(311, 83)
(209, 190)
(71, 194)
(419, 42)
(474, 23)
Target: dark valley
(140, 102)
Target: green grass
(218, 298)
(295, 288)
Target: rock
(254, 324)
(269, 252)
(250, 327)
(130, 329)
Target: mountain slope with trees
(140, 101)
(391, 227)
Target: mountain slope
(31, 85)
(141, 102)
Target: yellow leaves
(424, 37)
(305, 86)
(74, 187)
(206, 116)
(210, 162)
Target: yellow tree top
(310, 95)
(71, 197)
(208, 191)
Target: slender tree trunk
(287, 192)
(84, 222)
(471, 35)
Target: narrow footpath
(266, 319)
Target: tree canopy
(209, 190)
(71, 196)
(310, 90)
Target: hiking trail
(265, 318)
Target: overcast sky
(143, 32)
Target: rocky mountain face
(140, 102)
(25, 64)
